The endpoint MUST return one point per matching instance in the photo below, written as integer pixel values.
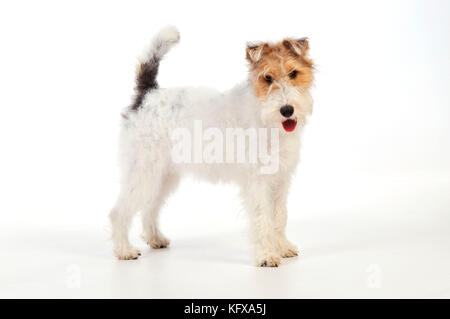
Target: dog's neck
(242, 98)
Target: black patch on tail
(145, 81)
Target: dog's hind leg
(121, 216)
(140, 182)
(150, 213)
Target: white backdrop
(372, 190)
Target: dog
(275, 96)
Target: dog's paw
(158, 242)
(287, 249)
(128, 253)
(269, 261)
(289, 253)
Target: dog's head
(281, 75)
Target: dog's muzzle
(290, 124)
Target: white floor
(384, 247)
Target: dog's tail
(147, 69)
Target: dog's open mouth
(289, 125)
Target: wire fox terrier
(275, 96)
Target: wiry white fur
(149, 175)
(161, 43)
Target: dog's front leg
(285, 247)
(259, 203)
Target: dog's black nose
(287, 111)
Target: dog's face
(281, 75)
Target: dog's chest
(289, 152)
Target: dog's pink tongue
(289, 125)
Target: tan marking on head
(286, 61)
(254, 51)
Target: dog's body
(149, 174)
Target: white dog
(276, 97)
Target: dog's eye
(268, 78)
(293, 74)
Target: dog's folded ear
(299, 47)
(255, 51)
